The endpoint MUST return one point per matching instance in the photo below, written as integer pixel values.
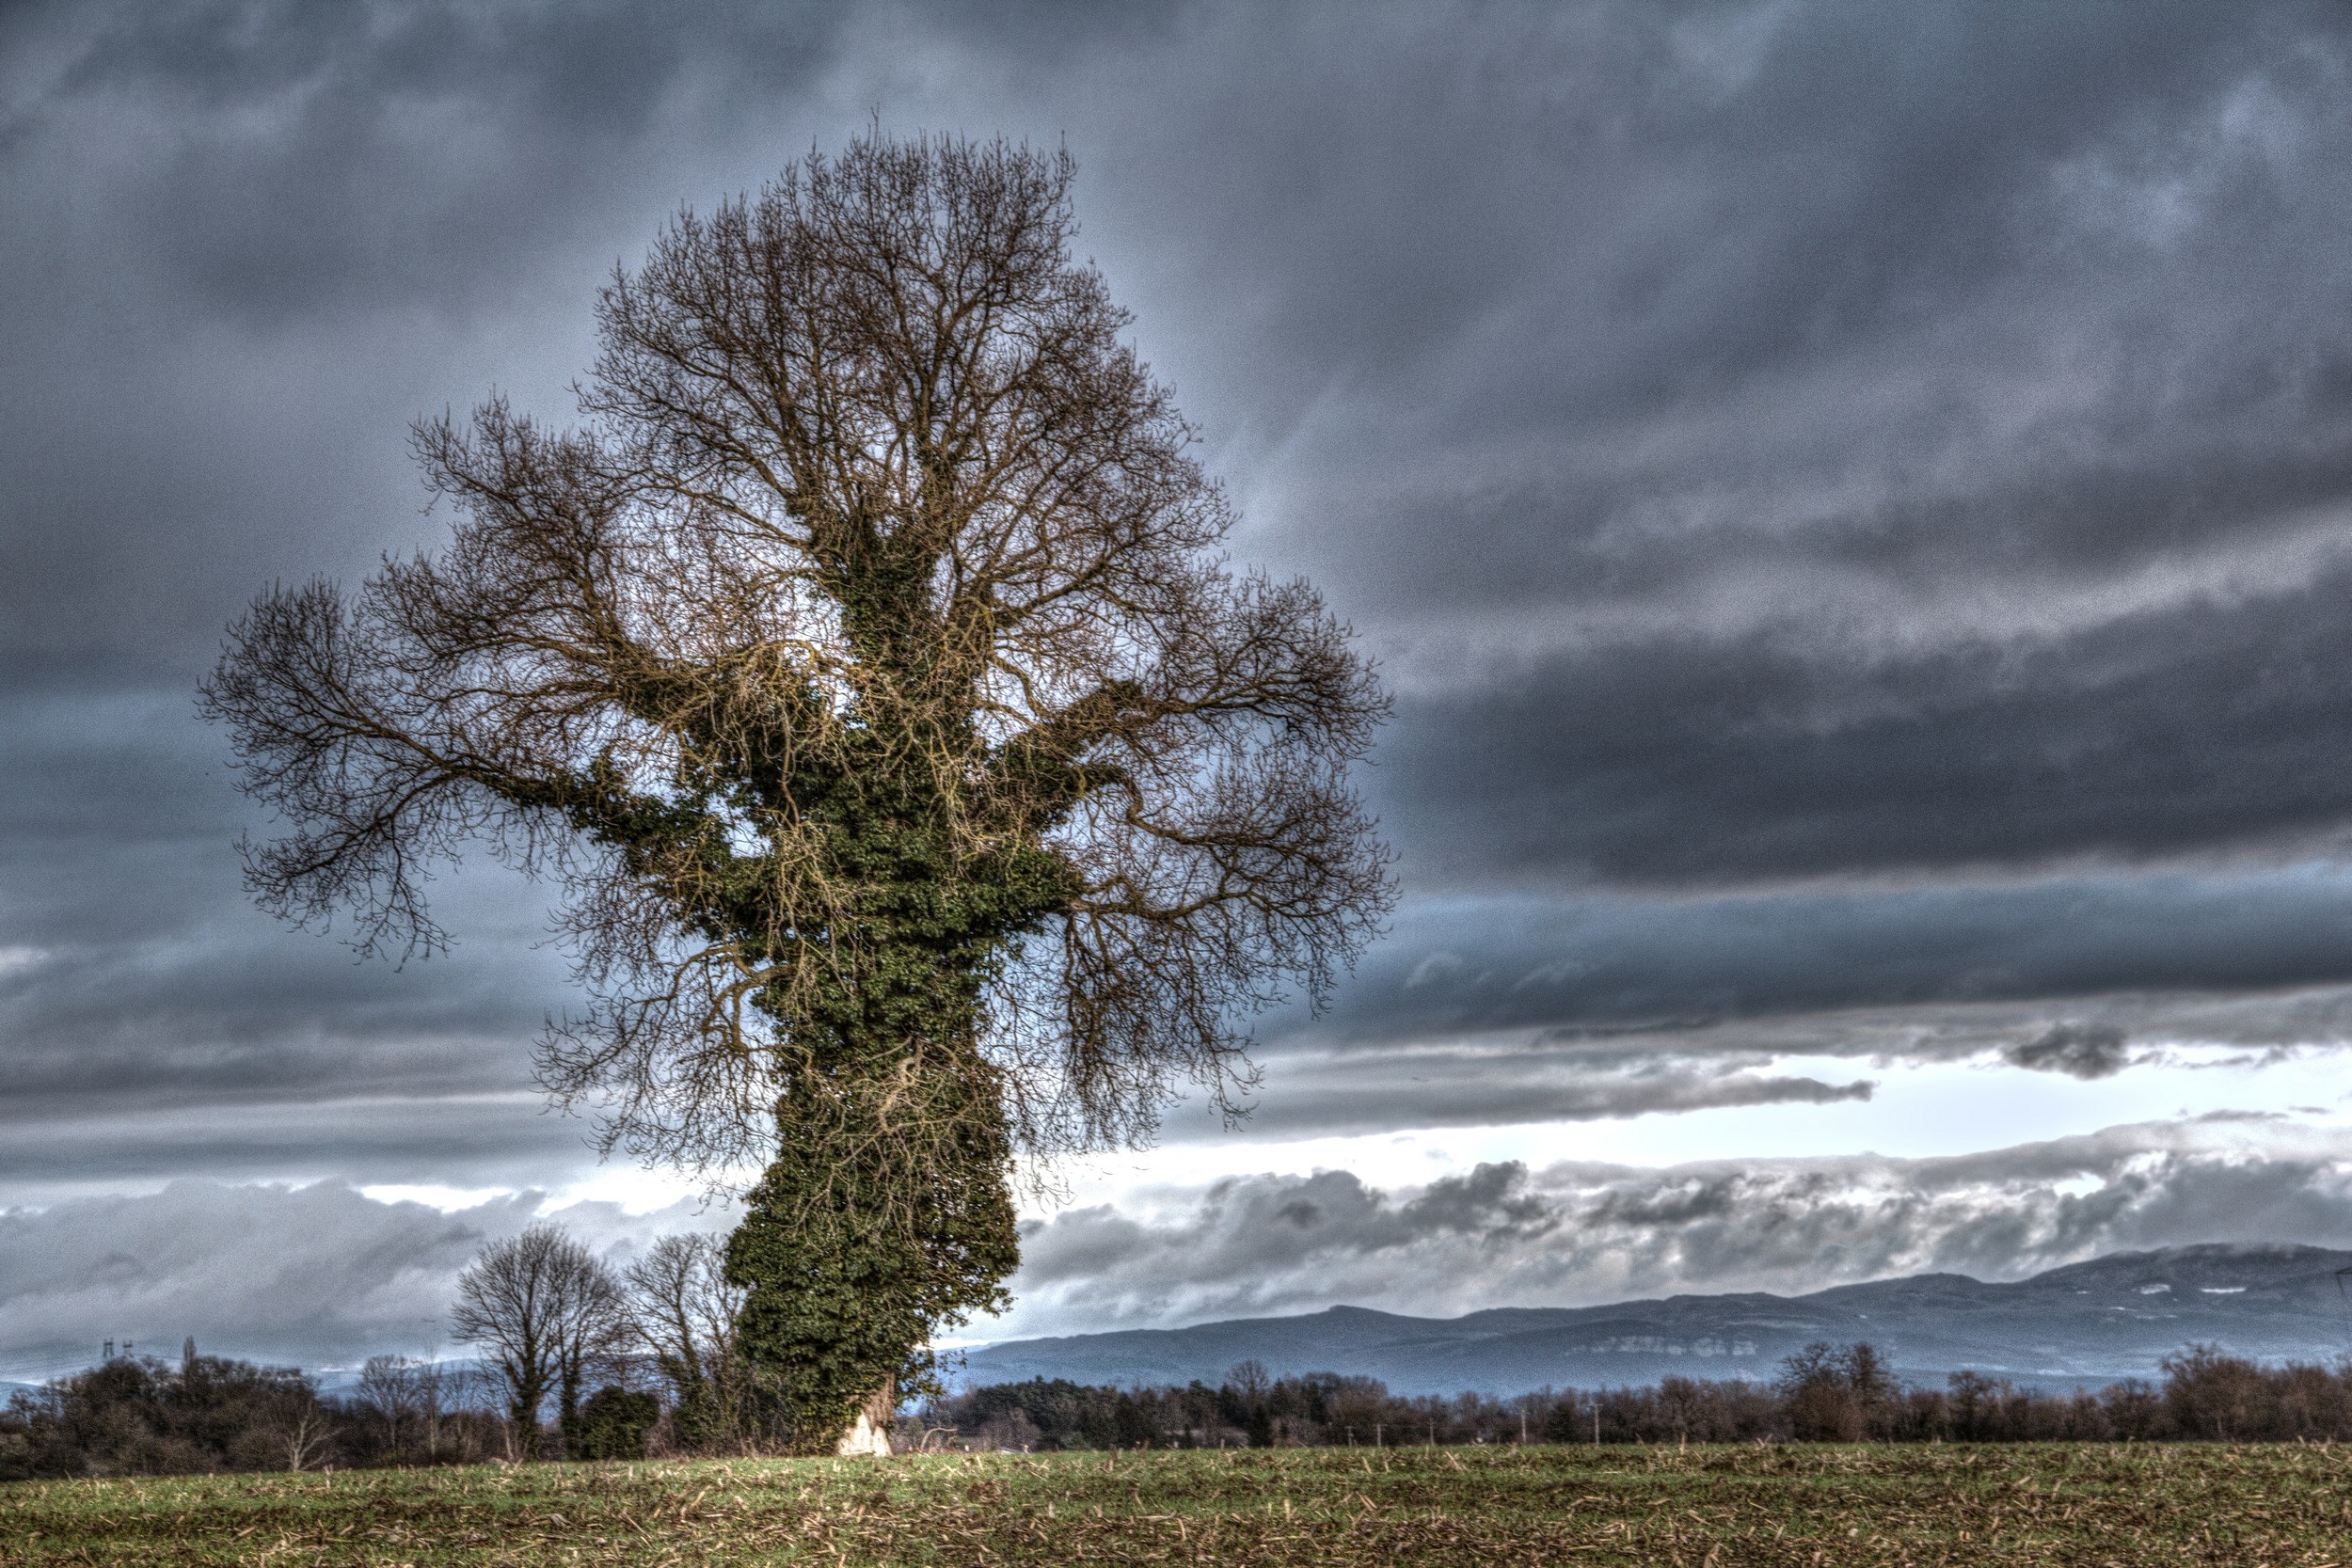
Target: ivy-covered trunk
(888, 1209)
(861, 1238)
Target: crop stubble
(2245, 1507)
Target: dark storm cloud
(1833, 444)
(1964, 485)
(2077, 1049)
(254, 240)
(1366, 1088)
(1577, 1234)
(1794, 312)
(155, 1022)
(2206, 726)
(282, 160)
(1491, 1084)
(1619, 966)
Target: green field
(2078, 1505)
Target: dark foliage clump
(612, 1424)
(210, 1414)
(143, 1418)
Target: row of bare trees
(552, 1319)
(405, 1410)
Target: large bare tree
(926, 786)
(550, 1313)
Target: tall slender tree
(687, 1314)
(927, 786)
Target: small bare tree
(926, 786)
(685, 1310)
(300, 1430)
(550, 1312)
(404, 1398)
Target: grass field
(2080, 1506)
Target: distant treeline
(145, 1416)
(1824, 1393)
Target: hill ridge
(2096, 1321)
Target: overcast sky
(1854, 501)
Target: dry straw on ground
(2078, 1505)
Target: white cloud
(1582, 1233)
(315, 1276)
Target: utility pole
(1375, 1434)
(1597, 1423)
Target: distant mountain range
(2090, 1323)
(2087, 1323)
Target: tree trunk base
(869, 1435)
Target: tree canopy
(926, 785)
